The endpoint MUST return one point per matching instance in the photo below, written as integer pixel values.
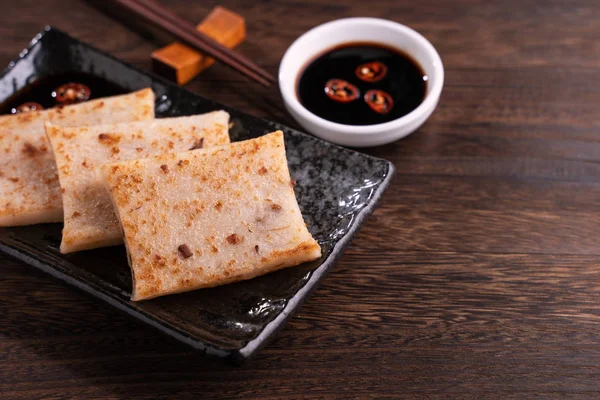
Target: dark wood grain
(477, 277)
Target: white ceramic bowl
(324, 37)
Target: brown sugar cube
(181, 63)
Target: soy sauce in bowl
(362, 84)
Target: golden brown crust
(95, 224)
(237, 222)
(29, 190)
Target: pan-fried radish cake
(208, 217)
(29, 190)
(89, 219)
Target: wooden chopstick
(192, 37)
(166, 13)
(188, 34)
(217, 50)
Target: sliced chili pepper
(27, 107)
(371, 71)
(379, 101)
(340, 90)
(71, 93)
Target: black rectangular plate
(337, 189)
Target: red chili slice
(371, 71)
(379, 101)
(27, 107)
(340, 90)
(71, 93)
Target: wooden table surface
(478, 276)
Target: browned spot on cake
(198, 144)
(229, 268)
(165, 168)
(219, 205)
(184, 251)
(214, 249)
(256, 248)
(108, 139)
(84, 164)
(184, 282)
(67, 135)
(15, 180)
(99, 105)
(25, 117)
(234, 239)
(139, 149)
(293, 183)
(262, 170)
(76, 214)
(115, 151)
(276, 207)
(159, 260)
(30, 150)
(181, 163)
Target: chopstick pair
(187, 33)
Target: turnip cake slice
(29, 190)
(208, 217)
(90, 221)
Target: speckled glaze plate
(337, 189)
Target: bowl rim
(288, 92)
